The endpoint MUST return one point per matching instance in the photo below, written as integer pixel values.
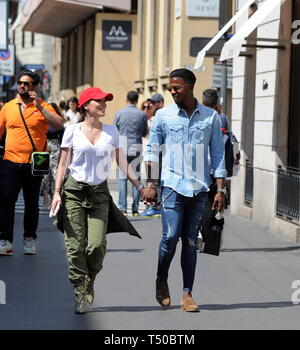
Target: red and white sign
(7, 61)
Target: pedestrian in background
(156, 102)
(232, 155)
(132, 125)
(72, 113)
(146, 108)
(54, 138)
(15, 168)
(63, 109)
(187, 133)
(87, 149)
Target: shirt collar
(19, 100)
(197, 107)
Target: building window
(32, 39)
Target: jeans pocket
(169, 198)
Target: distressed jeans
(181, 217)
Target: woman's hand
(149, 195)
(55, 202)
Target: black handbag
(212, 225)
(211, 230)
(40, 161)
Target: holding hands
(148, 194)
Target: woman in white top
(72, 113)
(84, 197)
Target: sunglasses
(146, 107)
(25, 83)
(175, 88)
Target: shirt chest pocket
(176, 133)
(200, 132)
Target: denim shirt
(191, 147)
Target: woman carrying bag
(86, 207)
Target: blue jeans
(181, 217)
(123, 189)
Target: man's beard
(24, 94)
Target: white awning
(232, 48)
(202, 53)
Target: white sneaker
(5, 247)
(29, 247)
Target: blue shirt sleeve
(217, 151)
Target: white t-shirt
(91, 164)
(73, 116)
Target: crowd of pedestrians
(170, 142)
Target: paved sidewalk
(249, 286)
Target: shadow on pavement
(133, 308)
(219, 307)
(125, 250)
(270, 250)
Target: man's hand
(219, 109)
(36, 99)
(149, 195)
(218, 204)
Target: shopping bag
(211, 231)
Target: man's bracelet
(56, 190)
(140, 187)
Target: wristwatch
(140, 186)
(223, 190)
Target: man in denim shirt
(190, 138)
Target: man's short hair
(156, 98)
(33, 75)
(187, 75)
(132, 96)
(210, 98)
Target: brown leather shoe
(162, 293)
(189, 305)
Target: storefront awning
(233, 47)
(59, 17)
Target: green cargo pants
(84, 214)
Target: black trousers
(13, 178)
